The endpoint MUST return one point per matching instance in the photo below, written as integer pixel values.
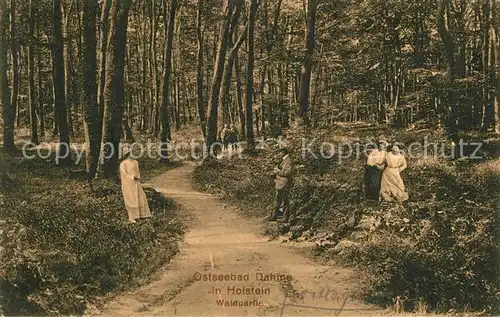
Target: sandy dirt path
(220, 242)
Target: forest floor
(221, 241)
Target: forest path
(219, 241)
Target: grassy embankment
(438, 254)
(66, 248)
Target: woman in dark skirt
(232, 137)
(373, 171)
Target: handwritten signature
(299, 299)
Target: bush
(443, 256)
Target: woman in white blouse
(133, 194)
(392, 187)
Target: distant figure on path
(283, 186)
(232, 137)
(392, 186)
(224, 136)
(373, 171)
(133, 194)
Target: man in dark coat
(283, 186)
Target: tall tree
(68, 65)
(155, 72)
(269, 40)
(487, 114)
(103, 46)
(14, 46)
(114, 88)
(449, 47)
(41, 105)
(91, 107)
(305, 76)
(167, 70)
(250, 68)
(224, 98)
(231, 11)
(31, 72)
(489, 64)
(239, 95)
(58, 79)
(495, 64)
(8, 111)
(199, 68)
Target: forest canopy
(101, 71)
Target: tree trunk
(167, 70)
(263, 116)
(127, 131)
(177, 102)
(495, 66)
(177, 71)
(305, 78)
(224, 98)
(182, 94)
(449, 46)
(68, 81)
(142, 60)
(8, 111)
(91, 108)
(55, 126)
(281, 98)
(269, 48)
(156, 75)
(199, 69)
(228, 73)
(58, 79)
(497, 98)
(487, 117)
(41, 104)
(249, 80)
(78, 69)
(14, 46)
(67, 56)
(187, 98)
(211, 135)
(31, 72)
(239, 95)
(461, 38)
(114, 85)
(103, 45)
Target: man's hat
(284, 149)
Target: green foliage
(443, 254)
(65, 245)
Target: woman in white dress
(134, 196)
(392, 187)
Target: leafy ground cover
(438, 253)
(66, 247)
